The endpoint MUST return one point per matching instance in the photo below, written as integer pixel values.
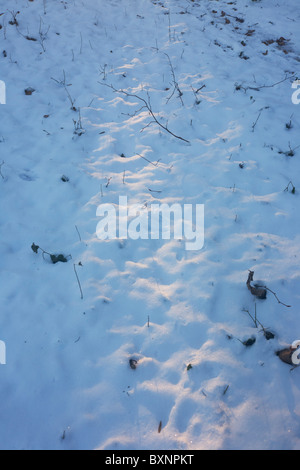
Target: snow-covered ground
(219, 75)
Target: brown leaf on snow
(259, 291)
(268, 42)
(285, 355)
(29, 91)
(282, 41)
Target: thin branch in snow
(77, 277)
(154, 164)
(258, 88)
(71, 100)
(260, 113)
(147, 105)
(275, 295)
(1, 165)
(175, 83)
(78, 232)
(43, 35)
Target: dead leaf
(133, 363)
(259, 291)
(282, 41)
(268, 42)
(29, 91)
(285, 355)
(35, 248)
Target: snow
(67, 383)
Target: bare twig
(103, 72)
(14, 20)
(108, 180)
(81, 293)
(253, 319)
(267, 334)
(78, 233)
(240, 87)
(154, 164)
(261, 291)
(196, 93)
(175, 83)
(43, 35)
(71, 100)
(293, 190)
(260, 112)
(80, 52)
(275, 295)
(63, 81)
(290, 152)
(1, 165)
(147, 105)
(169, 20)
(78, 129)
(274, 84)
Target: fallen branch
(240, 87)
(146, 105)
